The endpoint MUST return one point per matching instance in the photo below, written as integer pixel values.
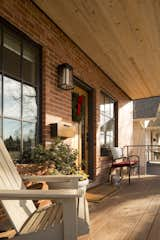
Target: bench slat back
(18, 211)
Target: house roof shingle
(146, 108)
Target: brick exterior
(57, 48)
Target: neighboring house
(146, 124)
(146, 114)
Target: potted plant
(59, 159)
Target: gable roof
(146, 108)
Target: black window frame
(38, 85)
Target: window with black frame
(107, 123)
(19, 91)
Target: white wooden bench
(59, 222)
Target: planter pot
(82, 209)
(83, 185)
(31, 169)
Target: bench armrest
(52, 178)
(39, 194)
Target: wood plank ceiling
(121, 36)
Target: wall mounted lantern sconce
(65, 76)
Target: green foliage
(64, 157)
(83, 175)
(60, 155)
(37, 154)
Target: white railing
(147, 153)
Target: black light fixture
(65, 75)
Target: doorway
(82, 112)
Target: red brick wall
(57, 48)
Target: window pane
(29, 135)
(11, 51)
(1, 127)
(0, 94)
(110, 138)
(19, 63)
(101, 138)
(102, 110)
(29, 103)
(0, 49)
(107, 122)
(107, 125)
(12, 98)
(12, 133)
(107, 107)
(12, 42)
(29, 63)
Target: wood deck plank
(132, 213)
(155, 230)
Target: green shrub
(60, 156)
(64, 157)
(38, 154)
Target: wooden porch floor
(132, 213)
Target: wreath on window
(78, 107)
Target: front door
(80, 121)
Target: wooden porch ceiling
(121, 36)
